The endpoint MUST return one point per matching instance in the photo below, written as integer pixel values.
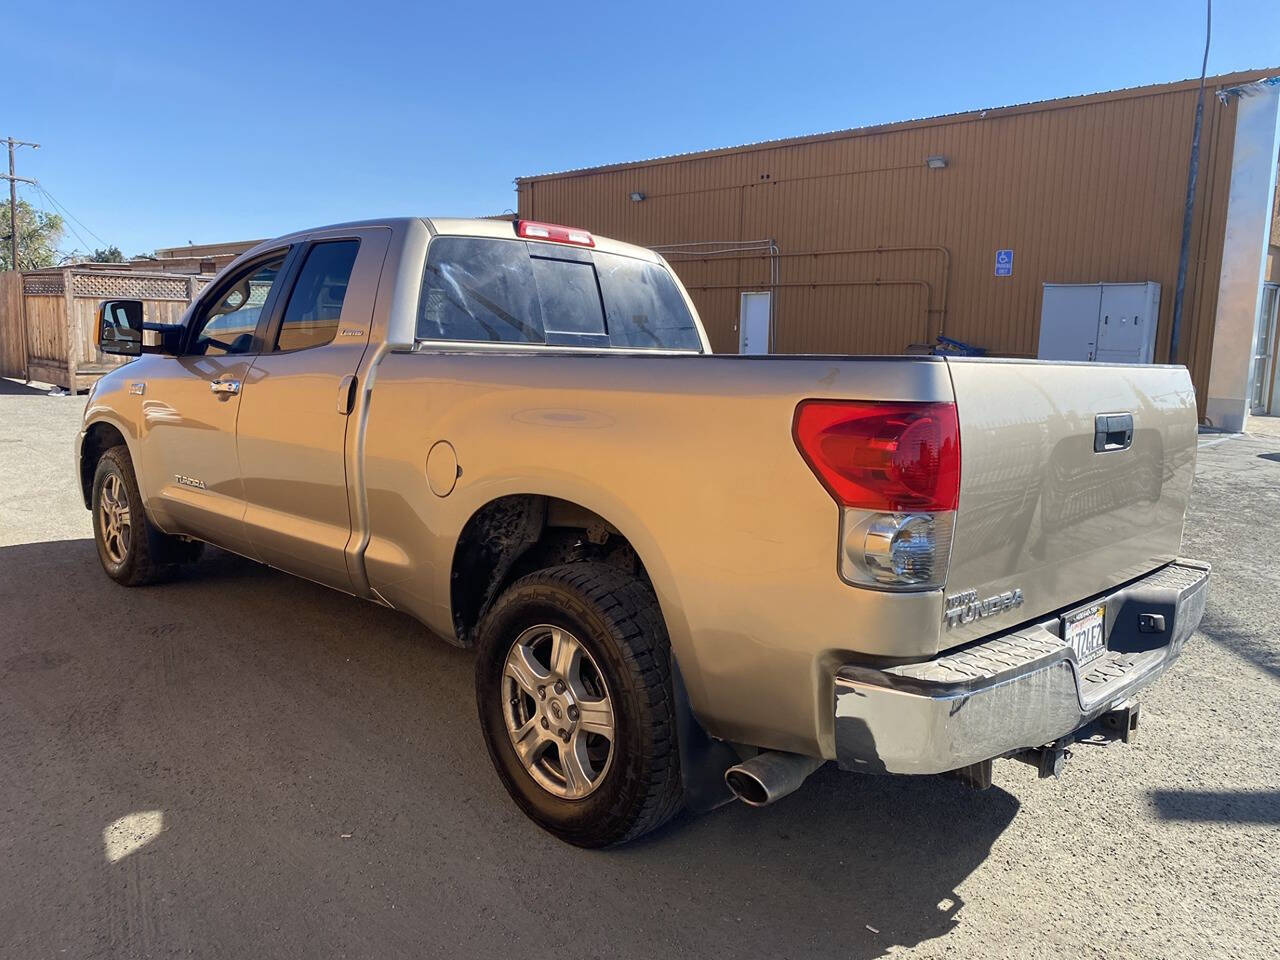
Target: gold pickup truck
(687, 577)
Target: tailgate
(1040, 510)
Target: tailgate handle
(1112, 431)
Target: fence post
(23, 335)
(73, 340)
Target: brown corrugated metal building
(877, 250)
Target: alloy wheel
(558, 711)
(114, 521)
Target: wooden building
(876, 239)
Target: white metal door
(753, 323)
(1262, 371)
(1069, 321)
(1107, 322)
(1127, 322)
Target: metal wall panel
(1083, 190)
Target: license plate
(1085, 632)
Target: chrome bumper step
(1013, 692)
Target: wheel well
(512, 536)
(99, 438)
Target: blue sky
(176, 122)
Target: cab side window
(228, 325)
(315, 305)
(476, 288)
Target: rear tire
(132, 551)
(616, 677)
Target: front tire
(132, 551)
(573, 686)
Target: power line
(54, 200)
(58, 206)
(87, 248)
(74, 231)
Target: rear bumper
(1018, 690)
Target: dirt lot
(308, 776)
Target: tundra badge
(965, 607)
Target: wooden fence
(13, 355)
(47, 329)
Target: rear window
(513, 291)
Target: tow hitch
(1048, 760)
(1118, 723)
(1122, 721)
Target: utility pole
(13, 179)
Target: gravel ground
(309, 773)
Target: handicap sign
(1004, 263)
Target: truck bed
(693, 460)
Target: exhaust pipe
(769, 776)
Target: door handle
(1112, 431)
(346, 395)
(226, 388)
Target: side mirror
(120, 327)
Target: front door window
(228, 325)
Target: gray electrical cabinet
(1103, 322)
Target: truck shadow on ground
(1218, 806)
(310, 778)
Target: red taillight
(892, 457)
(533, 230)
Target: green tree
(38, 234)
(109, 254)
